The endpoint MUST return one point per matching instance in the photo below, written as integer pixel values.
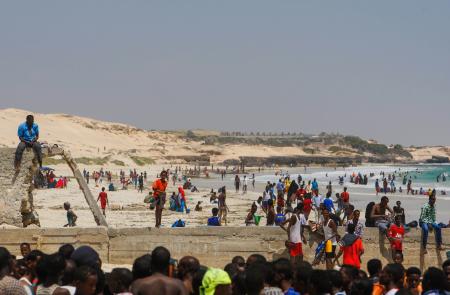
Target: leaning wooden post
(98, 216)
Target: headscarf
(213, 278)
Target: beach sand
(128, 209)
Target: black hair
(215, 211)
(82, 273)
(29, 117)
(396, 271)
(123, 278)
(351, 228)
(413, 271)
(142, 267)
(374, 267)
(232, 269)
(384, 198)
(362, 287)
(25, 244)
(49, 268)
(283, 268)
(434, 279)
(239, 260)
(160, 260)
(351, 271)
(446, 264)
(66, 250)
(187, 265)
(198, 279)
(255, 276)
(335, 278)
(5, 258)
(320, 282)
(256, 258)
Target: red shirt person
(396, 234)
(103, 197)
(351, 247)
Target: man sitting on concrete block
(28, 133)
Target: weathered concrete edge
(214, 246)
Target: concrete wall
(213, 246)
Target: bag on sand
(148, 199)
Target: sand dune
(91, 138)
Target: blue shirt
(213, 221)
(328, 202)
(291, 291)
(315, 185)
(26, 134)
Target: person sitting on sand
(270, 214)
(215, 219)
(71, 216)
(28, 133)
(250, 220)
(198, 207)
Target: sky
(376, 69)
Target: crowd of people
(78, 271)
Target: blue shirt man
(28, 133)
(328, 203)
(315, 185)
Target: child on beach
(214, 220)
(71, 216)
(395, 235)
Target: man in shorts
(159, 193)
(295, 231)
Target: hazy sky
(378, 69)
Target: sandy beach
(127, 208)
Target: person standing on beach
(295, 232)
(103, 197)
(159, 193)
(222, 203)
(427, 220)
(377, 187)
(237, 183)
(244, 185)
(28, 133)
(253, 180)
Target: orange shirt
(378, 289)
(158, 186)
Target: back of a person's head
(255, 258)
(232, 269)
(187, 265)
(283, 269)
(413, 271)
(239, 260)
(319, 282)
(86, 255)
(374, 267)
(446, 264)
(50, 267)
(362, 287)
(395, 271)
(142, 267)
(302, 274)
(434, 279)
(122, 278)
(335, 278)
(160, 260)
(197, 279)
(351, 228)
(255, 276)
(66, 250)
(351, 271)
(82, 273)
(5, 258)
